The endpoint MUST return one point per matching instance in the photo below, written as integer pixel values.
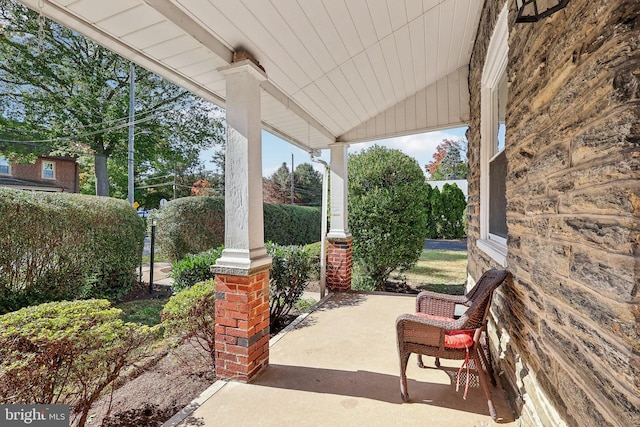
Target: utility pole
(132, 77)
(292, 179)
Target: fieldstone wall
(567, 328)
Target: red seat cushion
(452, 339)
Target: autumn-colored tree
(201, 188)
(447, 161)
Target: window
(48, 170)
(5, 167)
(493, 161)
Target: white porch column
(242, 272)
(339, 227)
(339, 260)
(244, 224)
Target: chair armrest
(424, 330)
(437, 304)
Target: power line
(70, 137)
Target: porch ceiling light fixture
(535, 10)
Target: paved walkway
(339, 367)
(445, 245)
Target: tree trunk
(102, 176)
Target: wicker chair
(435, 331)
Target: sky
(275, 150)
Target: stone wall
(567, 327)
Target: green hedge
(59, 246)
(191, 225)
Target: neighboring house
(48, 173)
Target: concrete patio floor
(339, 367)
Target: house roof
(24, 184)
(338, 71)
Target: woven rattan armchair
(435, 331)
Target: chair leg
(483, 383)
(437, 362)
(404, 359)
(487, 363)
(420, 363)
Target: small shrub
(313, 250)
(190, 314)
(194, 268)
(65, 352)
(288, 279)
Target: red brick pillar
(339, 265)
(242, 325)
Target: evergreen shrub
(387, 214)
(288, 278)
(66, 352)
(59, 246)
(194, 268)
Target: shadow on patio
(340, 367)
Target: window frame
(494, 69)
(8, 165)
(53, 169)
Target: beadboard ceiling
(338, 70)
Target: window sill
(494, 249)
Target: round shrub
(58, 246)
(387, 214)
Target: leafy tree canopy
(75, 94)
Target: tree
(447, 161)
(277, 188)
(307, 185)
(387, 214)
(54, 79)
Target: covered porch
(339, 366)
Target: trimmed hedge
(191, 225)
(59, 246)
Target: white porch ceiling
(338, 70)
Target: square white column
(244, 251)
(339, 228)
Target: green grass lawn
(145, 311)
(439, 271)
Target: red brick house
(48, 173)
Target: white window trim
(9, 167)
(494, 67)
(53, 169)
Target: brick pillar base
(339, 265)
(242, 325)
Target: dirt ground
(151, 394)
